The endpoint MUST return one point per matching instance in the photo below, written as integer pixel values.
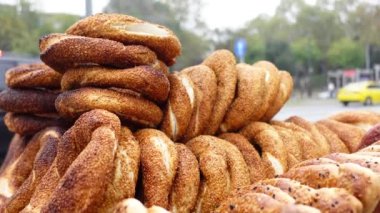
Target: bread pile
(31, 115)
(220, 95)
(337, 182)
(283, 144)
(181, 141)
(30, 98)
(113, 62)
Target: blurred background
(320, 42)
(324, 44)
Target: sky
(220, 14)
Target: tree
(256, 48)
(306, 52)
(10, 28)
(346, 53)
(21, 27)
(323, 26)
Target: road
(314, 109)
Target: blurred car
(366, 92)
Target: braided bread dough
(222, 62)
(48, 139)
(183, 196)
(204, 81)
(179, 107)
(273, 151)
(159, 162)
(247, 106)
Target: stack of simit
(112, 62)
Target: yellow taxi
(366, 92)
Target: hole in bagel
(142, 28)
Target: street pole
(88, 7)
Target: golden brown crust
(271, 84)
(25, 124)
(61, 51)
(336, 144)
(13, 176)
(143, 79)
(222, 167)
(72, 104)
(274, 153)
(283, 94)
(125, 171)
(204, 81)
(15, 149)
(85, 175)
(86, 178)
(222, 62)
(73, 142)
(266, 65)
(161, 66)
(293, 148)
(251, 156)
(159, 161)
(33, 76)
(361, 119)
(247, 106)
(324, 146)
(179, 107)
(28, 101)
(310, 148)
(185, 187)
(49, 138)
(237, 167)
(349, 134)
(215, 178)
(130, 30)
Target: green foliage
(21, 27)
(346, 53)
(256, 48)
(299, 36)
(322, 25)
(306, 51)
(10, 27)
